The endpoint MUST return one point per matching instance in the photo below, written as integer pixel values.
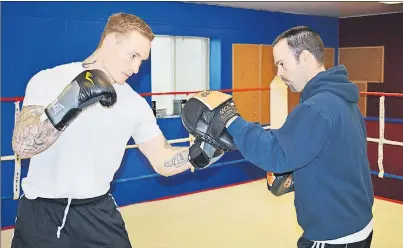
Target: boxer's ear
(110, 40)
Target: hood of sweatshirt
(335, 81)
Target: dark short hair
(303, 38)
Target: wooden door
(253, 67)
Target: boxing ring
(238, 215)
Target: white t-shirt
(82, 162)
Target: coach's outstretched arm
(293, 146)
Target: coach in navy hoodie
(323, 143)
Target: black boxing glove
(280, 184)
(88, 88)
(202, 154)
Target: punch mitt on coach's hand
(88, 88)
(280, 184)
(202, 154)
(204, 116)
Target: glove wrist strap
(200, 154)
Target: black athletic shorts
(88, 223)
(305, 243)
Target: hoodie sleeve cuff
(237, 126)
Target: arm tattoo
(31, 136)
(179, 159)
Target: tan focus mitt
(204, 116)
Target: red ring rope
(12, 99)
(15, 99)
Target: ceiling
(331, 9)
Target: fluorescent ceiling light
(391, 2)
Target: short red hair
(122, 23)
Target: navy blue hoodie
(323, 142)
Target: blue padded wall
(39, 35)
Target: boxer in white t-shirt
(75, 123)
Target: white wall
(178, 64)
(191, 65)
(162, 71)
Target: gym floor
(241, 216)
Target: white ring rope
(385, 141)
(12, 157)
(174, 141)
(181, 140)
(381, 135)
(17, 161)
